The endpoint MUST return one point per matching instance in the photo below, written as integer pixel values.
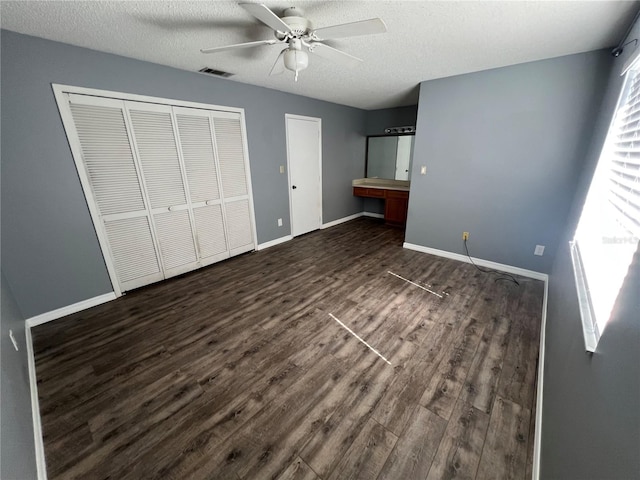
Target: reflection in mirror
(389, 156)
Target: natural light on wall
(609, 227)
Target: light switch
(423, 170)
(281, 168)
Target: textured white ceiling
(425, 39)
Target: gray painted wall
(502, 150)
(590, 420)
(17, 451)
(378, 120)
(50, 254)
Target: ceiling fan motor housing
(299, 25)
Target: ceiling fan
(300, 36)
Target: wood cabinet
(396, 203)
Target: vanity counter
(395, 194)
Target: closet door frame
(60, 91)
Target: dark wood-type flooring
(237, 371)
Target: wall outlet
(423, 170)
(539, 250)
(281, 168)
(465, 235)
(279, 222)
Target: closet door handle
(293, 187)
(171, 209)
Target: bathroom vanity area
(395, 194)
(387, 175)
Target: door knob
(293, 187)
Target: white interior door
(196, 142)
(236, 189)
(155, 142)
(304, 156)
(107, 167)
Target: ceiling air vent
(217, 73)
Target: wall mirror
(389, 156)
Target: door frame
(60, 91)
(288, 116)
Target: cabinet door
(163, 179)
(395, 209)
(234, 172)
(109, 168)
(196, 142)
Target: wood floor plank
(480, 385)
(338, 431)
(446, 384)
(460, 449)
(416, 447)
(367, 454)
(237, 370)
(517, 379)
(505, 446)
(298, 470)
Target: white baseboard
(537, 435)
(275, 242)
(69, 309)
(479, 261)
(341, 220)
(373, 215)
(41, 465)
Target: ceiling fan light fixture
(296, 60)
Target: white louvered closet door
(109, 168)
(196, 143)
(163, 178)
(234, 172)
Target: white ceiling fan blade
(363, 27)
(278, 67)
(333, 55)
(266, 16)
(239, 45)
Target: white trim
(247, 163)
(275, 242)
(537, 438)
(69, 309)
(342, 220)
(589, 325)
(41, 464)
(288, 116)
(479, 261)
(373, 215)
(60, 88)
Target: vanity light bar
(407, 129)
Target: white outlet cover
(539, 250)
(281, 168)
(279, 222)
(423, 170)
